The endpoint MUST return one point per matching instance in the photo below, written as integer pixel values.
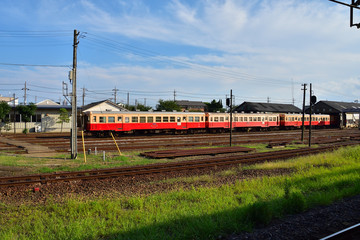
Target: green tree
(140, 107)
(64, 117)
(167, 106)
(4, 111)
(26, 111)
(215, 106)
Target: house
(253, 107)
(195, 106)
(10, 100)
(104, 105)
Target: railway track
(350, 233)
(163, 168)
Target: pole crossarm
(355, 5)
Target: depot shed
(254, 107)
(342, 114)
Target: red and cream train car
(143, 121)
(295, 120)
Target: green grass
(198, 213)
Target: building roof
(190, 103)
(94, 104)
(341, 106)
(267, 107)
(6, 99)
(47, 102)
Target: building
(10, 100)
(45, 119)
(342, 114)
(253, 107)
(104, 105)
(194, 106)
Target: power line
(35, 65)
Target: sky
(198, 50)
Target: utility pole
(174, 95)
(303, 113)
(115, 91)
(145, 102)
(25, 88)
(83, 96)
(231, 96)
(128, 99)
(14, 114)
(73, 100)
(310, 115)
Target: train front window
(102, 119)
(111, 119)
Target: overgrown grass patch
(197, 213)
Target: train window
(127, 119)
(236, 119)
(134, 119)
(94, 118)
(266, 118)
(270, 119)
(262, 119)
(241, 119)
(184, 119)
(259, 119)
(165, 119)
(216, 119)
(191, 119)
(172, 119)
(119, 119)
(158, 119)
(150, 119)
(143, 119)
(111, 119)
(178, 119)
(197, 119)
(245, 119)
(221, 119)
(250, 119)
(102, 119)
(227, 118)
(202, 119)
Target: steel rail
(161, 168)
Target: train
(104, 122)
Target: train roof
(146, 113)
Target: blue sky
(262, 50)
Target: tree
(26, 111)
(215, 106)
(167, 106)
(4, 111)
(64, 117)
(140, 107)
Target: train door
(184, 122)
(119, 123)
